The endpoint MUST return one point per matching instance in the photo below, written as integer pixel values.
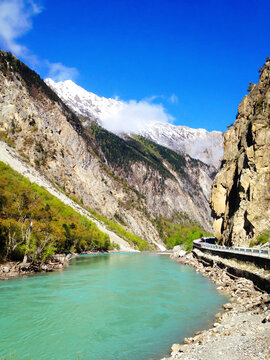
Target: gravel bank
(242, 331)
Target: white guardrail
(203, 243)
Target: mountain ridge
(198, 143)
(133, 182)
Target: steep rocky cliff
(240, 197)
(132, 181)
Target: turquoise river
(105, 307)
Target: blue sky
(194, 57)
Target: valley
(71, 186)
(131, 185)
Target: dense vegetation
(34, 224)
(120, 153)
(179, 231)
(160, 153)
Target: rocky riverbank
(15, 269)
(242, 331)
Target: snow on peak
(81, 101)
(142, 118)
(198, 143)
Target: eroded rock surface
(240, 197)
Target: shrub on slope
(35, 224)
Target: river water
(105, 307)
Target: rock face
(131, 181)
(197, 143)
(240, 197)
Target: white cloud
(15, 21)
(173, 99)
(153, 98)
(60, 72)
(37, 8)
(133, 116)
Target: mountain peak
(84, 103)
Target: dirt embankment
(242, 331)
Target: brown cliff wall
(240, 197)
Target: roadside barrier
(207, 243)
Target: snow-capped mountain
(198, 143)
(83, 102)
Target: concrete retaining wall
(259, 261)
(260, 282)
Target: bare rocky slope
(132, 181)
(240, 197)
